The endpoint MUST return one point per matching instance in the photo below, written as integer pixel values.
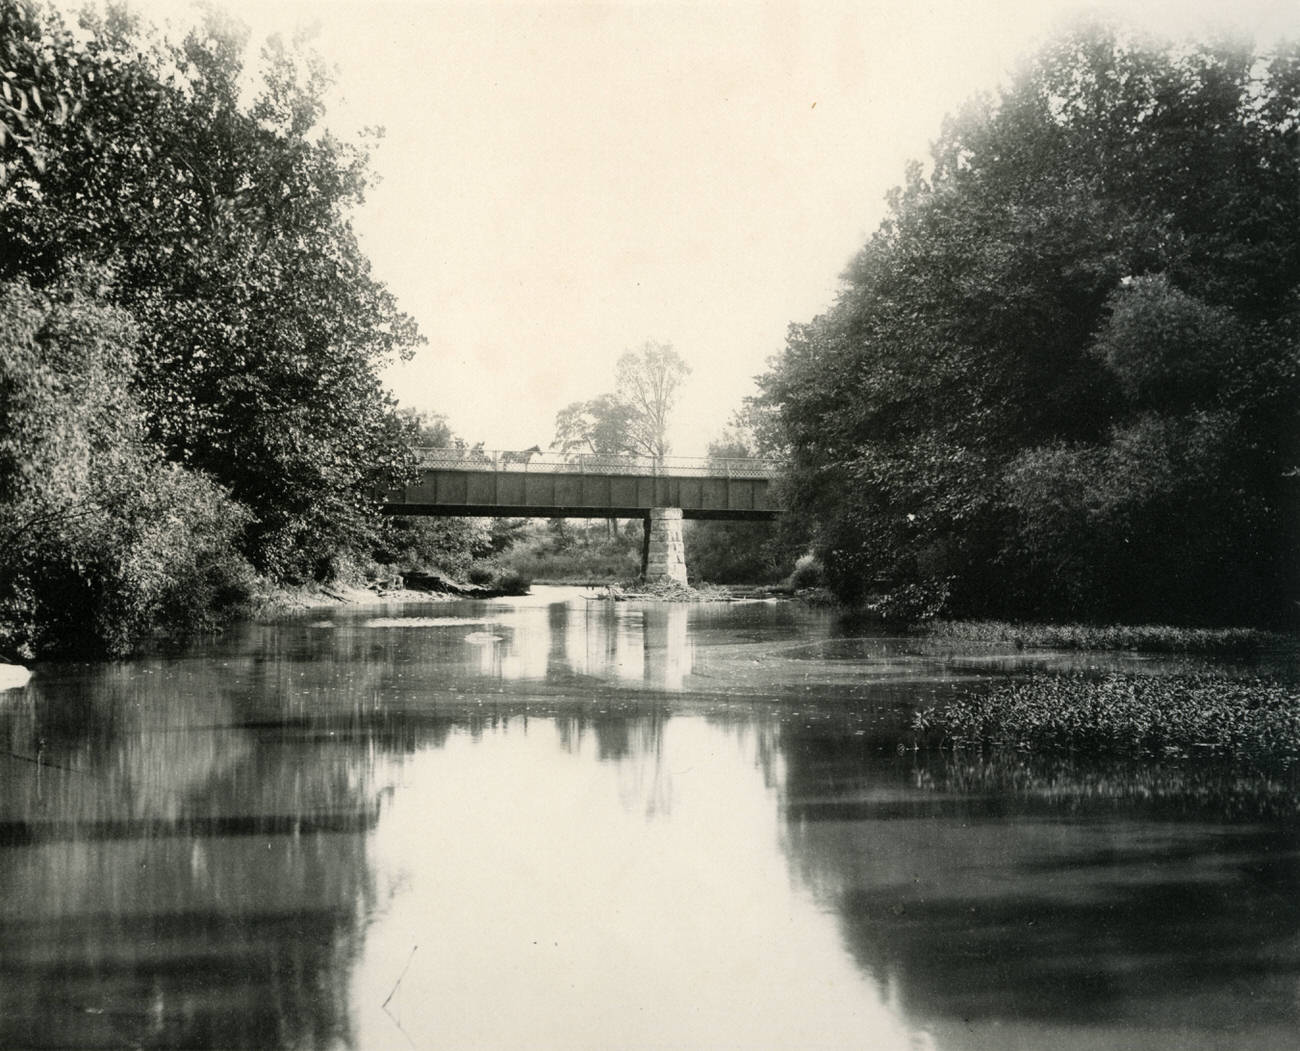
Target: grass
(581, 563)
(1147, 638)
(1207, 715)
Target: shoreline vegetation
(1059, 380)
(433, 587)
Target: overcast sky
(562, 182)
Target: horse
(522, 456)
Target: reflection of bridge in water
(662, 491)
(616, 643)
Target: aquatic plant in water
(1206, 715)
(1146, 638)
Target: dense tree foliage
(722, 552)
(219, 223)
(178, 224)
(101, 541)
(1061, 379)
(448, 545)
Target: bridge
(661, 491)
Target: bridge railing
(474, 459)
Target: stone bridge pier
(663, 552)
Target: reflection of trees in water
(1180, 789)
(187, 855)
(761, 736)
(973, 892)
(193, 867)
(632, 738)
(1135, 940)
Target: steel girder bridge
(533, 484)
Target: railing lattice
(474, 459)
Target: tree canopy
(1061, 378)
(193, 336)
(220, 223)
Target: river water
(562, 822)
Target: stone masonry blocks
(666, 555)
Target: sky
(561, 183)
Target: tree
(633, 421)
(222, 229)
(648, 381)
(600, 427)
(427, 430)
(1060, 379)
(448, 545)
(724, 552)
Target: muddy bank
(412, 587)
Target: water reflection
(172, 877)
(567, 642)
(571, 823)
(1054, 904)
(589, 902)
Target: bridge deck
(474, 482)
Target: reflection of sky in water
(557, 891)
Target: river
(563, 822)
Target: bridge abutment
(664, 552)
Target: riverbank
(412, 587)
(285, 601)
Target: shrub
(590, 551)
(808, 573)
(481, 573)
(445, 545)
(102, 543)
(512, 583)
(734, 552)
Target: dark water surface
(563, 823)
